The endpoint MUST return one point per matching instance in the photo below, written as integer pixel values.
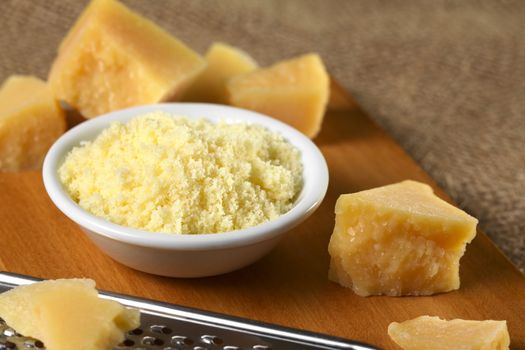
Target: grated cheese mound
(166, 173)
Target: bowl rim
(313, 191)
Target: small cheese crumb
(166, 173)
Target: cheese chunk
(399, 239)
(224, 62)
(294, 91)
(30, 121)
(67, 314)
(113, 58)
(433, 333)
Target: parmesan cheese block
(67, 314)
(30, 121)
(294, 91)
(113, 58)
(399, 239)
(224, 62)
(433, 333)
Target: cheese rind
(30, 121)
(294, 91)
(67, 314)
(433, 333)
(398, 239)
(113, 58)
(223, 62)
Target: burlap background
(445, 78)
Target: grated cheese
(166, 173)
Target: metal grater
(170, 327)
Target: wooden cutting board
(289, 286)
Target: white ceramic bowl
(187, 255)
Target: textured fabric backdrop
(445, 78)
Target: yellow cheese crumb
(165, 173)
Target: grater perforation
(173, 327)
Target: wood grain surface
(289, 286)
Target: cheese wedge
(67, 314)
(224, 61)
(112, 58)
(294, 91)
(399, 239)
(30, 121)
(433, 333)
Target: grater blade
(171, 327)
